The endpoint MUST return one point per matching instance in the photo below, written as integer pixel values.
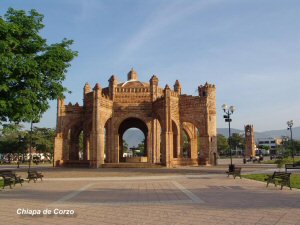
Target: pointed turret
(177, 87)
(113, 82)
(87, 88)
(97, 87)
(154, 80)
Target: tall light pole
(290, 124)
(228, 112)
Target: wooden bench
(236, 172)
(282, 178)
(292, 166)
(10, 177)
(7, 181)
(34, 175)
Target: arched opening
(75, 139)
(175, 139)
(186, 145)
(190, 141)
(130, 125)
(133, 143)
(80, 146)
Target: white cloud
(167, 15)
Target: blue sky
(249, 48)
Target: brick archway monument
(163, 115)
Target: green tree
(237, 141)
(222, 144)
(31, 71)
(185, 145)
(43, 139)
(141, 147)
(10, 135)
(125, 146)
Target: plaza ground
(188, 195)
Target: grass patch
(285, 161)
(259, 177)
(295, 179)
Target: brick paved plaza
(190, 195)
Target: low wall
(73, 163)
(136, 159)
(184, 162)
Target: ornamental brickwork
(162, 114)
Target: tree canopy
(13, 139)
(222, 143)
(31, 71)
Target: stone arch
(186, 144)
(162, 110)
(192, 135)
(87, 139)
(74, 145)
(132, 122)
(71, 141)
(175, 132)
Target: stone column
(116, 148)
(204, 150)
(156, 130)
(167, 135)
(66, 148)
(58, 149)
(59, 141)
(97, 156)
(100, 145)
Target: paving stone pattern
(183, 199)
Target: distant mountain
(264, 134)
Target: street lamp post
(290, 124)
(228, 112)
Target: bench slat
(279, 177)
(236, 172)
